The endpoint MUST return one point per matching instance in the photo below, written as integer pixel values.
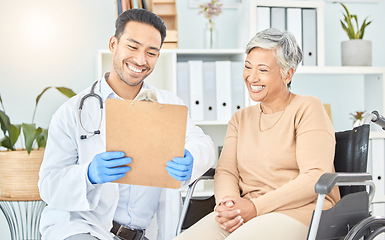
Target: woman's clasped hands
(233, 212)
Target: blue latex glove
(181, 168)
(107, 167)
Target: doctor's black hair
(142, 16)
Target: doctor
(76, 173)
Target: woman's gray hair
(288, 53)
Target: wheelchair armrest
(376, 118)
(328, 180)
(326, 183)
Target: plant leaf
(356, 19)
(357, 34)
(29, 135)
(66, 91)
(1, 102)
(346, 29)
(10, 140)
(37, 102)
(14, 133)
(348, 19)
(6, 142)
(4, 122)
(349, 27)
(41, 94)
(41, 136)
(346, 9)
(363, 26)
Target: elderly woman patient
(274, 152)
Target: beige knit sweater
(277, 168)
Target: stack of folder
(302, 22)
(213, 91)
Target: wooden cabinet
(166, 9)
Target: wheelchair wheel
(369, 228)
(375, 233)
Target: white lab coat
(76, 206)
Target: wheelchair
(350, 218)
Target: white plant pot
(357, 123)
(356, 52)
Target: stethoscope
(95, 95)
(145, 95)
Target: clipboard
(151, 134)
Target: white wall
(48, 43)
(54, 43)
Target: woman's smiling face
(262, 75)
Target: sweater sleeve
(226, 174)
(315, 145)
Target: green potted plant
(355, 51)
(19, 168)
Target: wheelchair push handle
(376, 118)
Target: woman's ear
(289, 76)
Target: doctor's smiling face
(134, 53)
